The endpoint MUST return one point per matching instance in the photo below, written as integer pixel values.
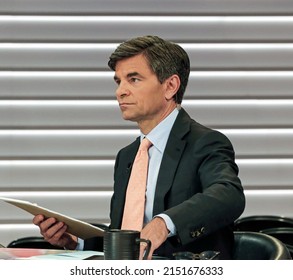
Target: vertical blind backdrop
(60, 126)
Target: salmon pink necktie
(136, 189)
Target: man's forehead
(132, 65)
(133, 61)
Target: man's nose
(122, 90)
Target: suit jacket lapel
(172, 154)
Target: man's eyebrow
(129, 75)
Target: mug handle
(148, 247)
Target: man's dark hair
(164, 58)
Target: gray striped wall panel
(66, 56)
(97, 144)
(90, 175)
(118, 28)
(117, 7)
(55, 175)
(265, 174)
(100, 85)
(105, 113)
(57, 85)
(277, 202)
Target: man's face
(140, 95)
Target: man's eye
(134, 80)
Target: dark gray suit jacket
(197, 187)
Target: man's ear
(172, 85)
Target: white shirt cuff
(80, 244)
(170, 225)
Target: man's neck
(148, 125)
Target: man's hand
(156, 231)
(55, 232)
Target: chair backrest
(258, 246)
(285, 234)
(260, 222)
(34, 242)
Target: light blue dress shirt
(159, 137)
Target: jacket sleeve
(219, 200)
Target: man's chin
(127, 117)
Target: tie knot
(145, 144)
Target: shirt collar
(159, 135)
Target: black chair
(284, 234)
(258, 246)
(33, 242)
(261, 222)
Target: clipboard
(76, 227)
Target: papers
(47, 254)
(70, 255)
(19, 253)
(76, 227)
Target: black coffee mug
(124, 245)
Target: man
(193, 191)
